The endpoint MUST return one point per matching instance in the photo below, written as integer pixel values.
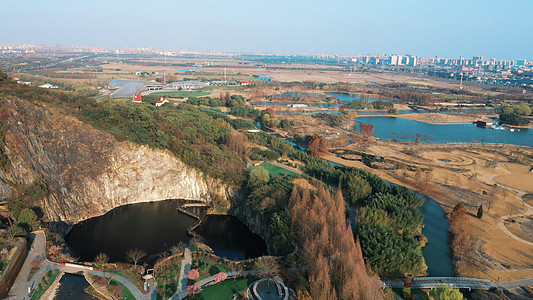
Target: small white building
(297, 105)
(48, 86)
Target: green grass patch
(224, 290)
(45, 283)
(274, 170)
(182, 94)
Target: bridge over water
(431, 282)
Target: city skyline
(346, 28)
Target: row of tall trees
(460, 229)
(334, 259)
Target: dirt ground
(436, 118)
(469, 176)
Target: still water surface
(156, 226)
(389, 128)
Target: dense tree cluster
(361, 104)
(318, 144)
(245, 111)
(388, 221)
(520, 108)
(205, 101)
(514, 119)
(258, 154)
(333, 120)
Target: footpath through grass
(45, 283)
(224, 290)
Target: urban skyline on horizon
(173, 52)
(469, 28)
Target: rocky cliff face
(87, 171)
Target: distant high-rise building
(412, 61)
(395, 60)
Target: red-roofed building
(161, 101)
(137, 98)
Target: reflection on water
(157, 226)
(391, 128)
(230, 238)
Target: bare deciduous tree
(134, 255)
(101, 258)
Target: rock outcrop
(87, 171)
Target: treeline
(378, 104)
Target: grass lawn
(45, 284)
(182, 94)
(224, 290)
(274, 170)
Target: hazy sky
(450, 28)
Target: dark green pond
(156, 226)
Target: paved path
(20, 287)
(184, 270)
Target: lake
(392, 128)
(230, 238)
(154, 227)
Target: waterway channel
(72, 287)
(155, 227)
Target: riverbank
(450, 174)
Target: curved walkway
(529, 212)
(23, 289)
